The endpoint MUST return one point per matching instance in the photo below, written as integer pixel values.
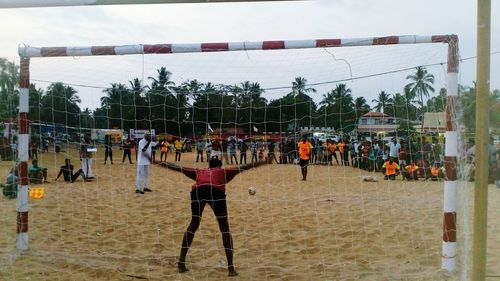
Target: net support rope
(449, 253)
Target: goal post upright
(451, 145)
(450, 160)
(22, 203)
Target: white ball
(252, 190)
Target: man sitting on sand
(36, 173)
(209, 188)
(67, 172)
(9, 189)
(411, 171)
(390, 169)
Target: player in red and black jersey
(209, 188)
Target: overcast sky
(191, 23)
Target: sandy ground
(332, 227)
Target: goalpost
(27, 53)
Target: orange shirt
(341, 147)
(304, 150)
(390, 169)
(411, 168)
(434, 171)
(164, 147)
(332, 148)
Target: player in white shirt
(143, 163)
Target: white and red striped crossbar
(65, 3)
(29, 52)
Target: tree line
(190, 107)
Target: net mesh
(345, 222)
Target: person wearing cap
(209, 188)
(143, 163)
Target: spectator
(390, 169)
(108, 152)
(411, 171)
(232, 151)
(9, 189)
(243, 152)
(86, 157)
(37, 174)
(164, 150)
(127, 150)
(200, 145)
(67, 172)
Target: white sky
(222, 22)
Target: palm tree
(361, 107)
(35, 102)
(9, 77)
(421, 83)
(114, 108)
(384, 100)
(164, 79)
(61, 103)
(437, 103)
(299, 86)
(343, 106)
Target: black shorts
(303, 163)
(212, 196)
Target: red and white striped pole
(449, 252)
(139, 49)
(23, 157)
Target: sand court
(334, 226)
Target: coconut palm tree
(61, 104)
(115, 107)
(299, 86)
(9, 77)
(163, 81)
(421, 83)
(361, 107)
(383, 102)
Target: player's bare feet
(181, 267)
(231, 271)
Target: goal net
(357, 106)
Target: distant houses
(377, 123)
(434, 122)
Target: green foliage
(187, 108)
(467, 105)
(9, 95)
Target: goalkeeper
(209, 188)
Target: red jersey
(216, 145)
(216, 177)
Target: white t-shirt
(143, 157)
(394, 149)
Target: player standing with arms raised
(209, 188)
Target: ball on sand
(252, 190)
